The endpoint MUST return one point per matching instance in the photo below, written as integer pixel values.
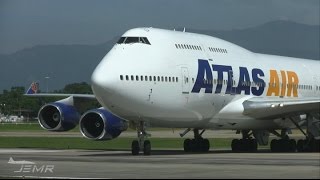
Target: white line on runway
(26, 151)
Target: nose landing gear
(141, 143)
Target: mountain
(279, 38)
(66, 64)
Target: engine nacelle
(58, 117)
(99, 124)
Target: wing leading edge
(271, 108)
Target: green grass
(6, 127)
(35, 126)
(82, 143)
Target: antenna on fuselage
(184, 29)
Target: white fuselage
(160, 82)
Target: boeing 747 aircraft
(185, 80)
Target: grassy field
(6, 127)
(82, 143)
(34, 127)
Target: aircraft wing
(275, 107)
(83, 96)
(34, 88)
(80, 101)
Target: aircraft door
(233, 89)
(185, 80)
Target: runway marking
(27, 151)
(48, 177)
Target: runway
(161, 164)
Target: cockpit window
(121, 40)
(144, 40)
(130, 40)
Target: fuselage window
(185, 46)
(192, 80)
(146, 78)
(169, 79)
(141, 78)
(166, 79)
(127, 77)
(158, 78)
(176, 79)
(121, 77)
(179, 46)
(176, 46)
(150, 78)
(154, 78)
(162, 78)
(137, 78)
(132, 78)
(172, 79)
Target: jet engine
(58, 116)
(99, 124)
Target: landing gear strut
(310, 144)
(246, 144)
(141, 143)
(198, 144)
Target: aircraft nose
(102, 79)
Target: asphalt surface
(161, 164)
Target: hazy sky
(26, 23)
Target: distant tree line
(13, 102)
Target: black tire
(206, 145)
(274, 145)
(292, 145)
(235, 144)
(317, 146)
(254, 145)
(135, 148)
(193, 145)
(187, 145)
(300, 145)
(147, 148)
